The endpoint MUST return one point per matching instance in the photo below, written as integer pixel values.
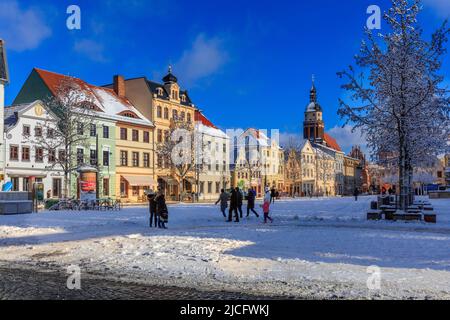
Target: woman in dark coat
(161, 209)
(152, 207)
(251, 202)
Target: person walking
(251, 196)
(266, 206)
(233, 206)
(272, 195)
(152, 208)
(239, 201)
(161, 209)
(223, 199)
(356, 193)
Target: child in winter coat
(266, 207)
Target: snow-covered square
(316, 248)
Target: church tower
(313, 125)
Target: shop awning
(26, 173)
(168, 180)
(139, 181)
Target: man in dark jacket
(239, 201)
(272, 195)
(152, 207)
(251, 202)
(161, 209)
(233, 206)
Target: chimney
(119, 85)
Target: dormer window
(159, 91)
(183, 97)
(175, 94)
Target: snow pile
(316, 247)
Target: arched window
(174, 114)
(166, 113)
(182, 116)
(159, 112)
(189, 117)
(160, 91)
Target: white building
(27, 163)
(215, 172)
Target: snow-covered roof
(108, 104)
(210, 131)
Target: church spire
(313, 91)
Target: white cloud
(346, 138)
(92, 49)
(442, 7)
(22, 29)
(203, 59)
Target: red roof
(331, 142)
(200, 117)
(53, 80)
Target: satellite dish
(4, 73)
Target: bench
(408, 216)
(15, 207)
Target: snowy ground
(317, 248)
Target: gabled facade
(26, 162)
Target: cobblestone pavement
(21, 284)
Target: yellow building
(162, 103)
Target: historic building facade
(162, 104)
(213, 172)
(26, 161)
(124, 161)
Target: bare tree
(178, 151)
(60, 135)
(398, 99)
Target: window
(159, 112)
(106, 132)
(80, 156)
(189, 117)
(123, 134)
(135, 159)
(106, 187)
(39, 154)
(93, 157)
(146, 136)
(209, 187)
(50, 133)
(159, 136)
(166, 135)
(159, 161)
(135, 135)
(160, 91)
(106, 158)
(224, 148)
(174, 114)
(25, 153)
(38, 131)
(15, 184)
(135, 191)
(183, 98)
(166, 113)
(217, 166)
(62, 155)
(80, 128)
(146, 160)
(56, 184)
(26, 130)
(182, 115)
(124, 158)
(25, 184)
(93, 130)
(13, 153)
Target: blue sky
(245, 63)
